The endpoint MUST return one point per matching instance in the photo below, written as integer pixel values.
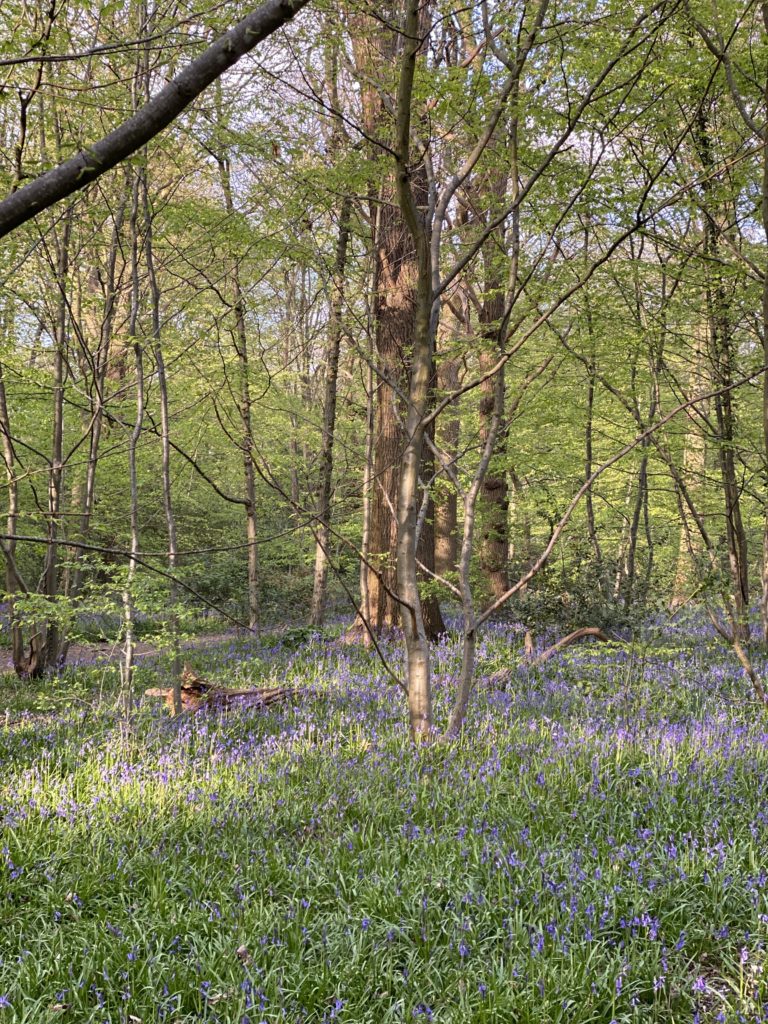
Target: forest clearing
(383, 511)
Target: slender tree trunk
(630, 561)
(588, 463)
(447, 439)
(494, 545)
(764, 215)
(49, 635)
(329, 416)
(430, 606)
(165, 438)
(12, 582)
(246, 414)
(365, 541)
(691, 544)
(470, 501)
(721, 345)
(736, 538)
(127, 664)
(103, 333)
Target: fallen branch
(500, 678)
(572, 638)
(198, 693)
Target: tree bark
(494, 543)
(395, 312)
(447, 439)
(419, 384)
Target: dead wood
(197, 693)
(572, 638)
(501, 678)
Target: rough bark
(494, 544)
(419, 385)
(395, 312)
(721, 363)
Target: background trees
(387, 295)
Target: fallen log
(500, 678)
(198, 693)
(577, 634)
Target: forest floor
(80, 654)
(593, 850)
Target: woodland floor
(104, 652)
(594, 850)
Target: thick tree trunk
(420, 380)
(393, 317)
(395, 311)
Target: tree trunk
(102, 332)
(395, 301)
(447, 438)
(691, 544)
(245, 411)
(721, 355)
(47, 641)
(165, 437)
(13, 583)
(764, 215)
(329, 416)
(127, 664)
(419, 386)
(494, 546)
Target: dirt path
(104, 653)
